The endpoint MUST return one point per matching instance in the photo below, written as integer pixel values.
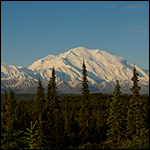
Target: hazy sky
(32, 30)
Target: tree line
(87, 121)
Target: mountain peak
(102, 67)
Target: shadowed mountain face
(103, 70)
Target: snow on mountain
(102, 67)
(146, 71)
(11, 72)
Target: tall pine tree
(9, 134)
(5, 99)
(39, 100)
(3, 116)
(116, 119)
(41, 137)
(3, 104)
(85, 119)
(136, 125)
(54, 124)
(68, 123)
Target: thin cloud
(134, 7)
(134, 31)
(139, 29)
(131, 31)
(113, 6)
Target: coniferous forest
(86, 121)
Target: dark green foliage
(116, 119)
(51, 95)
(54, 120)
(48, 94)
(3, 107)
(136, 132)
(70, 106)
(41, 138)
(47, 111)
(142, 142)
(40, 100)
(5, 99)
(68, 117)
(85, 87)
(31, 136)
(89, 146)
(57, 129)
(135, 118)
(86, 121)
(135, 88)
(8, 126)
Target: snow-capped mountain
(102, 67)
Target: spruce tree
(5, 97)
(3, 104)
(68, 123)
(58, 123)
(136, 125)
(41, 137)
(9, 133)
(3, 113)
(39, 100)
(85, 119)
(48, 95)
(54, 121)
(115, 120)
(47, 114)
(31, 136)
(53, 93)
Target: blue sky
(31, 30)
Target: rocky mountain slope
(103, 69)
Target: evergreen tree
(57, 129)
(68, 122)
(31, 136)
(48, 94)
(41, 138)
(48, 117)
(85, 87)
(9, 133)
(58, 123)
(3, 105)
(53, 93)
(20, 123)
(85, 120)
(51, 88)
(3, 113)
(54, 121)
(5, 98)
(136, 125)
(115, 120)
(40, 100)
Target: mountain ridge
(103, 69)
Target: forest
(86, 121)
